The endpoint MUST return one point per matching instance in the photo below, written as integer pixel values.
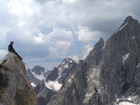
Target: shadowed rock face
(44, 94)
(15, 89)
(31, 77)
(110, 71)
(38, 70)
(36, 75)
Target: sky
(47, 31)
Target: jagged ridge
(110, 71)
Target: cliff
(109, 75)
(15, 89)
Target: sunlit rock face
(109, 75)
(15, 89)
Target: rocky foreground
(15, 89)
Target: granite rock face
(15, 89)
(109, 75)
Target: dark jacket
(10, 48)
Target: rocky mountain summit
(15, 89)
(61, 72)
(110, 75)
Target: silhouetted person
(11, 49)
(1, 66)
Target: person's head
(11, 42)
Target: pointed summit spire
(128, 19)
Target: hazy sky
(47, 31)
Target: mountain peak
(67, 59)
(129, 19)
(99, 44)
(14, 85)
(101, 40)
(130, 24)
(38, 70)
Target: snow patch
(53, 85)
(104, 46)
(66, 66)
(40, 77)
(71, 61)
(125, 57)
(126, 100)
(60, 69)
(138, 65)
(133, 37)
(126, 103)
(121, 27)
(34, 85)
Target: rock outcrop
(109, 75)
(15, 89)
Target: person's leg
(18, 55)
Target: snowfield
(53, 85)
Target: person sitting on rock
(11, 49)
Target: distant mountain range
(47, 83)
(110, 74)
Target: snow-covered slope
(36, 75)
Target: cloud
(60, 48)
(86, 49)
(20, 8)
(50, 30)
(86, 36)
(60, 42)
(75, 58)
(56, 43)
(2, 52)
